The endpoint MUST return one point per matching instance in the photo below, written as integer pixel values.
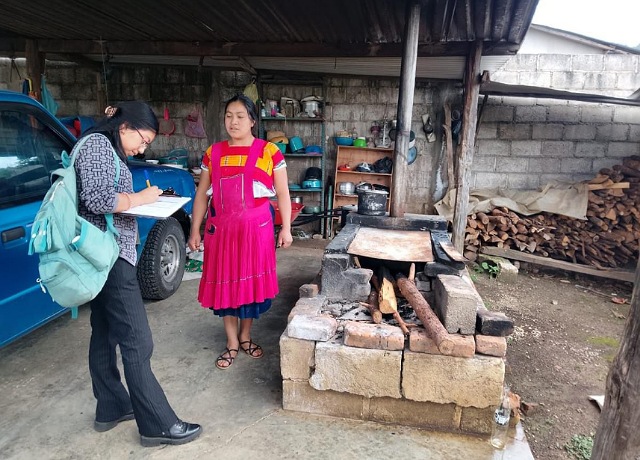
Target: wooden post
(468, 145)
(35, 66)
(400, 181)
(618, 437)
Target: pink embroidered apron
(239, 264)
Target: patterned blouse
(234, 158)
(96, 172)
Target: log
(387, 301)
(401, 322)
(372, 306)
(430, 321)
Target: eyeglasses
(145, 143)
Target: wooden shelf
(354, 156)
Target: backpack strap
(68, 161)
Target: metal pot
(311, 108)
(346, 188)
(296, 199)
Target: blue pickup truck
(31, 141)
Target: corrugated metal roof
(260, 30)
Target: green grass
(604, 341)
(580, 447)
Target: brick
(493, 323)
(296, 358)
(376, 336)
(307, 307)
(456, 304)
(365, 372)
(470, 382)
(301, 397)
(308, 290)
(491, 345)
(420, 342)
(318, 328)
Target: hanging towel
(47, 99)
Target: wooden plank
(605, 186)
(399, 245)
(620, 275)
(452, 252)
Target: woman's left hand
(284, 238)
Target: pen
(146, 176)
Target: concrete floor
(47, 405)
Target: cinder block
(307, 306)
(531, 113)
(588, 62)
(456, 304)
(611, 132)
(301, 397)
(559, 149)
(296, 358)
(375, 336)
(579, 132)
(552, 131)
(516, 131)
(319, 328)
(554, 62)
(491, 346)
(591, 149)
(507, 272)
(469, 382)
(365, 372)
(525, 149)
(623, 149)
(494, 147)
(563, 113)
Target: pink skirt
(239, 264)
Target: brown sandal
(253, 349)
(229, 359)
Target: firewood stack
(607, 239)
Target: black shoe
(101, 427)
(180, 433)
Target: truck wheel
(161, 265)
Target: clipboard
(161, 209)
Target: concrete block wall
(525, 143)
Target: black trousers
(118, 317)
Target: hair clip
(110, 111)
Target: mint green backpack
(75, 255)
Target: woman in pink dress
(239, 277)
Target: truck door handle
(13, 234)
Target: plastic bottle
(354, 133)
(501, 421)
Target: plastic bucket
(295, 144)
(372, 202)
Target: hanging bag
(194, 124)
(75, 255)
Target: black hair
(249, 105)
(133, 114)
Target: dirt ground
(567, 331)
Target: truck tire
(161, 266)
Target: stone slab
(469, 382)
(365, 372)
(441, 417)
(301, 397)
(296, 358)
(317, 328)
(311, 306)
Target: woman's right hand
(194, 241)
(149, 195)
